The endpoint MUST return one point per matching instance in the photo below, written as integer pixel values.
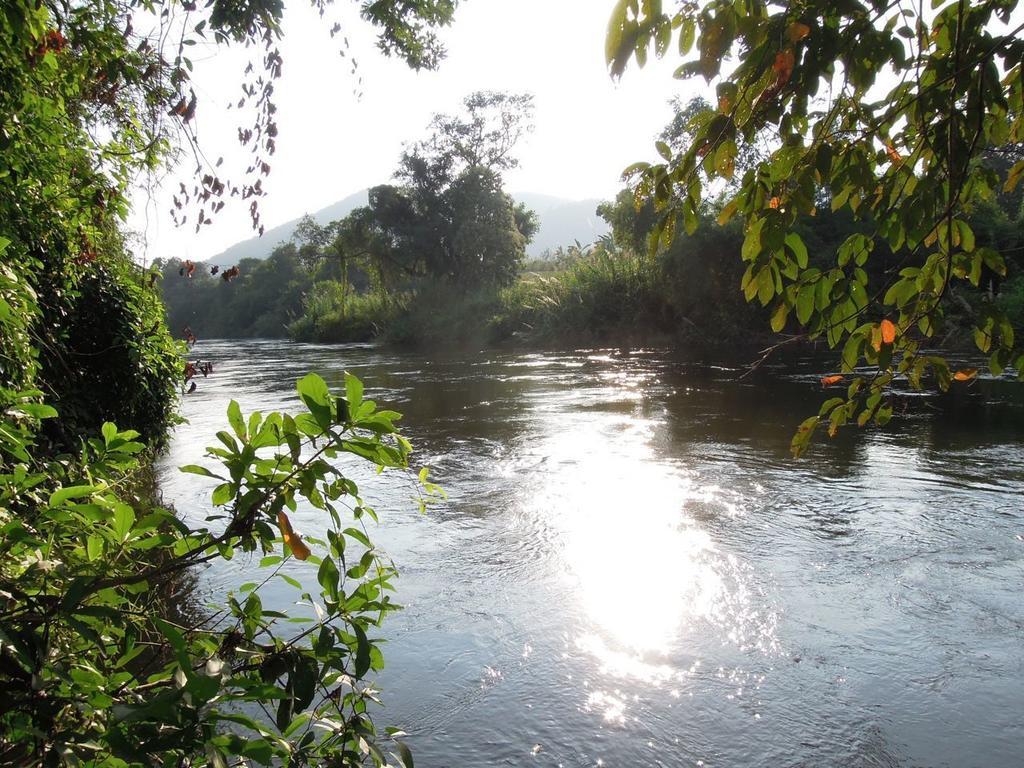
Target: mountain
(260, 247)
(562, 222)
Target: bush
(112, 358)
(99, 666)
(332, 314)
(1011, 300)
(604, 295)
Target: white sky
(332, 144)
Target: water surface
(630, 570)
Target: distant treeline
(438, 259)
(611, 291)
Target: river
(630, 570)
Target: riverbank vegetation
(895, 115)
(333, 285)
(105, 659)
(882, 220)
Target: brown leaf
(783, 67)
(291, 538)
(888, 331)
(797, 31)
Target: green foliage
(91, 96)
(18, 307)
(483, 135)
(885, 111)
(100, 664)
(333, 315)
(442, 318)
(265, 297)
(605, 294)
(101, 660)
(75, 322)
(450, 219)
(111, 358)
(1011, 300)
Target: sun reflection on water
(645, 572)
(642, 568)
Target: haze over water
(631, 570)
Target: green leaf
(195, 469)
(752, 240)
(404, 754)
(362, 664)
(805, 303)
(779, 316)
(94, 547)
(316, 396)
(71, 492)
(796, 245)
(765, 286)
(993, 260)
(222, 494)
(235, 419)
(353, 392)
(36, 410)
(290, 581)
(359, 536)
(124, 519)
(803, 435)
(687, 35)
(328, 576)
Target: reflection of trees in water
(981, 415)
(471, 399)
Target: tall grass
(598, 294)
(604, 293)
(332, 314)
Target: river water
(630, 570)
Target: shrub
(112, 358)
(96, 666)
(332, 314)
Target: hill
(562, 222)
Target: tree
(484, 136)
(449, 219)
(485, 245)
(887, 110)
(91, 96)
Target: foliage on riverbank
(616, 291)
(80, 325)
(909, 119)
(102, 661)
(641, 286)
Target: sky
(332, 143)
